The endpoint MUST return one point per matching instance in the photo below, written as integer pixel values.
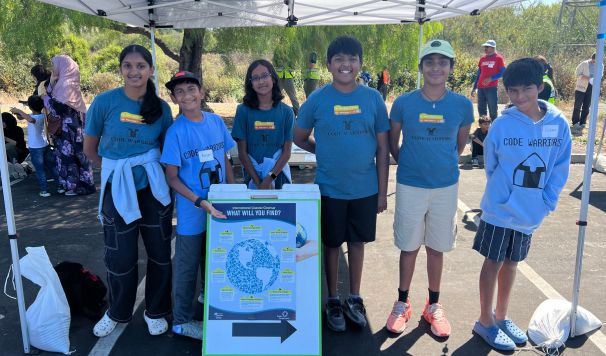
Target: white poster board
(262, 282)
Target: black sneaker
(334, 316)
(355, 311)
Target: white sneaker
(156, 326)
(104, 327)
(193, 329)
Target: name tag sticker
(206, 155)
(550, 131)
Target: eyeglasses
(262, 76)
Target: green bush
(101, 82)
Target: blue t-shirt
(429, 156)
(115, 119)
(264, 131)
(198, 149)
(345, 129)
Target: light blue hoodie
(527, 165)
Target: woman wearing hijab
(65, 101)
(14, 139)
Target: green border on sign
(206, 280)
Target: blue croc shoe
(495, 337)
(512, 330)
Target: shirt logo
(265, 125)
(347, 124)
(431, 130)
(132, 118)
(434, 119)
(133, 132)
(347, 109)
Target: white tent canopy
(246, 13)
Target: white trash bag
(48, 317)
(549, 326)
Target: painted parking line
(104, 345)
(598, 338)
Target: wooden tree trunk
(190, 55)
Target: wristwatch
(198, 203)
(273, 175)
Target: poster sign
(262, 294)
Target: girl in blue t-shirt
(263, 128)
(124, 130)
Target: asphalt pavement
(70, 231)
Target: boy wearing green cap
(435, 124)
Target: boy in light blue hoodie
(527, 158)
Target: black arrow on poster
(283, 329)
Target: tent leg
(595, 96)
(12, 235)
(153, 48)
(419, 54)
(597, 154)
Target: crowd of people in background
(130, 134)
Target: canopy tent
(247, 13)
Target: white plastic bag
(48, 317)
(550, 324)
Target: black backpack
(85, 291)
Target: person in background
(490, 68)
(124, 132)
(65, 101)
(365, 77)
(585, 72)
(383, 82)
(549, 92)
(263, 128)
(41, 154)
(477, 143)
(286, 77)
(311, 76)
(14, 139)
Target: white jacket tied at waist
(124, 192)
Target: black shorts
(348, 220)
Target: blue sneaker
(494, 336)
(513, 331)
(193, 329)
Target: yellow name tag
(347, 109)
(265, 125)
(434, 119)
(132, 118)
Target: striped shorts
(497, 243)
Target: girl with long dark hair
(263, 128)
(124, 131)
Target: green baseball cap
(436, 46)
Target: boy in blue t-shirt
(350, 126)
(195, 154)
(434, 123)
(527, 159)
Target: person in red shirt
(490, 69)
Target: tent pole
(12, 235)
(153, 48)
(595, 96)
(419, 53)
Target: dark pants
(309, 85)
(476, 150)
(487, 97)
(383, 91)
(582, 102)
(190, 255)
(121, 256)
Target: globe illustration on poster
(301, 235)
(252, 266)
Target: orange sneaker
(400, 314)
(435, 316)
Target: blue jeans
(43, 158)
(190, 253)
(487, 97)
(121, 256)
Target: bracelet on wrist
(198, 203)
